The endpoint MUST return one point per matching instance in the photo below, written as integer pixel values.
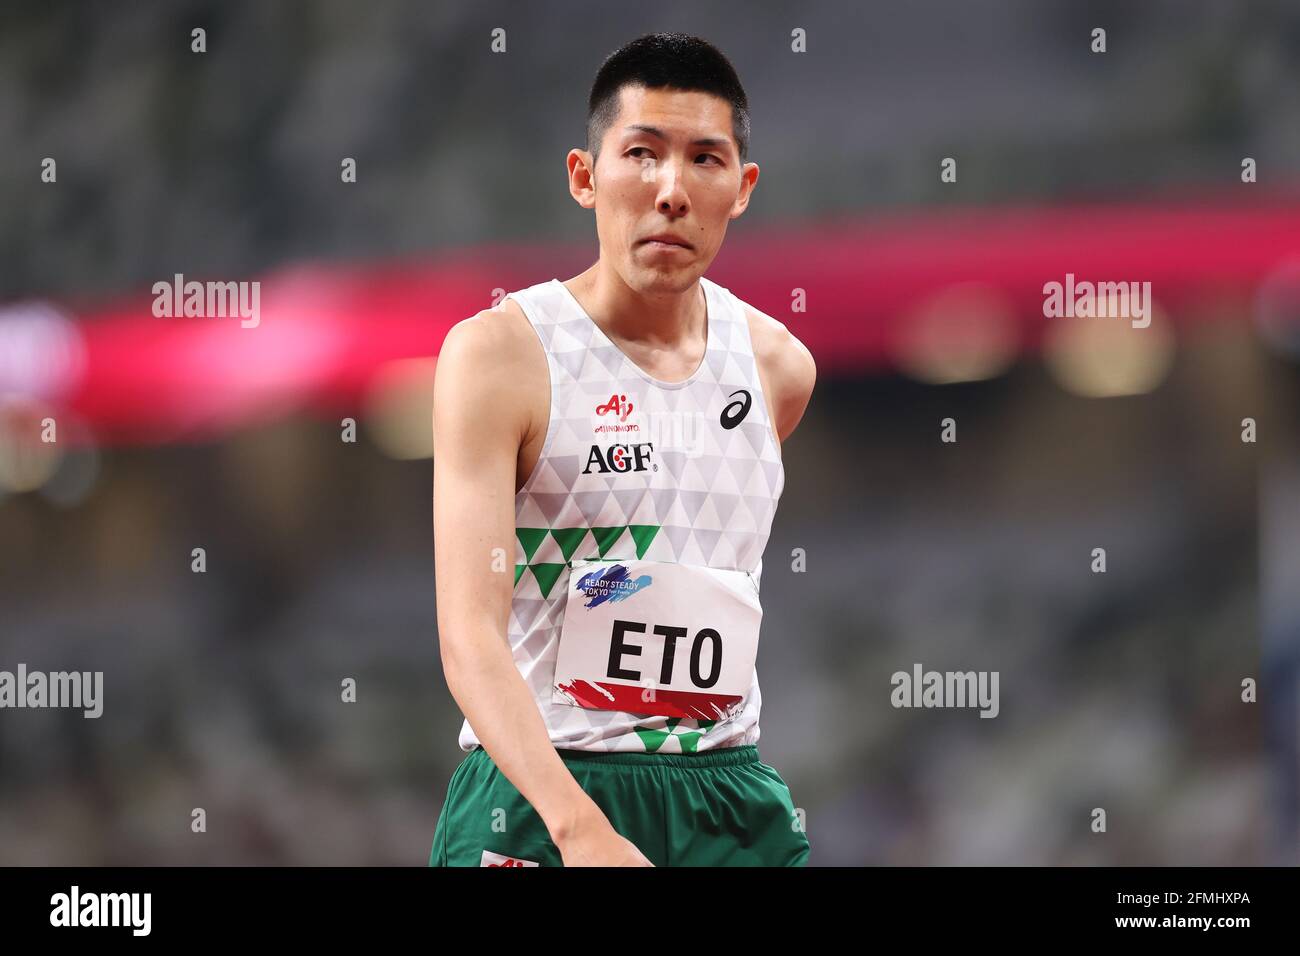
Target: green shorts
(717, 808)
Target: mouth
(666, 242)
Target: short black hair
(665, 61)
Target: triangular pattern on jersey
(613, 481)
(607, 537)
(530, 538)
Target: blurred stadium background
(924, 301)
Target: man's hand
(592, 841)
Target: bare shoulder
(499, 332)
(498, 342)
(495, 353)
(786, 366)
(777, 347)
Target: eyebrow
(657, 132)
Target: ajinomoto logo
(610, 584)
(612, 416)
(618, 406)
(497, 859)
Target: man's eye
(709, 156)
(637, 149)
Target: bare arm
(480, 420)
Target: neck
(667, 319)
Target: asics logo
(736, 411)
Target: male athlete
(607, 467)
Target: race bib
(655, 637)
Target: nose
(671, 199)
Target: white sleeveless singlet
(633, 467)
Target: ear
(748, 180)
(582, 177)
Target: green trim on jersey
(546, 573)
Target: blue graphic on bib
(610, 584)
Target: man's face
(668, 165)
